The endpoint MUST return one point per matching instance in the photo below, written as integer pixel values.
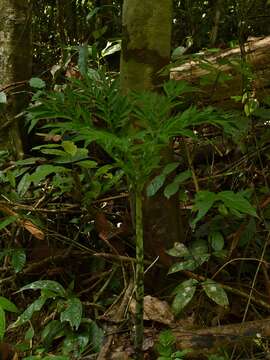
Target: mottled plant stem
(139, 281)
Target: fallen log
(223, 72)
(209, 340)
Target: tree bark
(146, 47)
(16, 66)
(145, 43)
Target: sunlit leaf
(3, 97)
(69, 147)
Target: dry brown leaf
(155, 310)
(33, 229)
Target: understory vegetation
(77, 280)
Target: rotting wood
(206, 340)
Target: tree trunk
(16, 66)
(146, 42)
(146, 50)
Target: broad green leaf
(190, 264)
(29, 161)
(57, 152)
(3, 97)
(7, 305)
(28, 313)
(43, 171)
(236, 201)
(183, 265)
(199, 247)
(103, 170)
(178, 250)
(50, 285)
(184, 293)
(216, 240)
(223, 210)
(73, 312)
(37, 83)
(159, 180)
(169, 168)
(18, 259)
(155, 185)
(215, 292)
(204, 200)
(2, 323)
(70, 147)
(24, 184)
(172, 188)
(87, 164)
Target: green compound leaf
(215, 292)
(184, 293)
(236, 202)
(73, 313)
